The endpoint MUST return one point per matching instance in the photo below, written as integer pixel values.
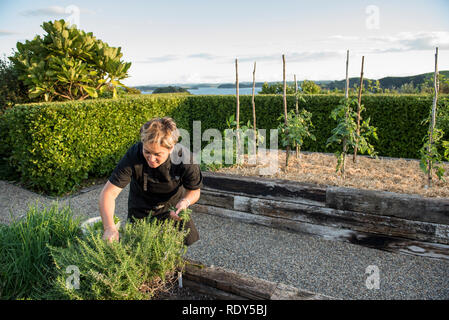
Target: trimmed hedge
(55, 146)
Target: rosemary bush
(134, 268)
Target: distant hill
(170, 89)
(385, 83)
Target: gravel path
(332, 268)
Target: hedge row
(55, 146)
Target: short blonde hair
(162, 131)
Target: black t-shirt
(155, 190)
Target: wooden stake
(296, 94)
(238, 105)
(432, 124)
(297, 112)
(346, 97)
(253, 102)
(354, 159)
(285, 111)
(347, 75)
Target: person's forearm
(107, 208)
(192, 195)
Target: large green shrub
(68, 64)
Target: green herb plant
(136, 268)
(26, 268)
(184, 214)
(98, 226)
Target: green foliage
(310, 87)
(430, 152)
(298, 128)
(346, 131)
(133, 269)
(408, 88)
(184, 214)
(428, 86)
(26, 269)
(12, 90)
(68, 64)
(98, 226)
(55, 146)
(276, 88)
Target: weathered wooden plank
(371, 240)
(263, 186)
(286, 292)
(211, 291)
(217, 199)
(226, 200)
(231, 281)
(384, 225)
(406, 206)
(230, 285)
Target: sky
(196, 41)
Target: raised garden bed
(384, 220)
(224, 284)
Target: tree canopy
(68, 64)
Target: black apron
(164, 185)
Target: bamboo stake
(285, 111)
(432, 124)
(296, 93)
(354, 159)
(297, 112)
(253, 102)
(346, 97)
(347, 75)
(238, 105)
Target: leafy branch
(345, 133)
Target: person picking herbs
(163, 179)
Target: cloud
(49, 11)
(172, 57)
(344, 38)
(55, 11)
(295, 56)
(7, 33)
(419, 40)
(400, 42)
(160, 59)
(205, 56)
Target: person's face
(155, 154)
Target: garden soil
(384, 174)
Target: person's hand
(111, 234)
(181, 205)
